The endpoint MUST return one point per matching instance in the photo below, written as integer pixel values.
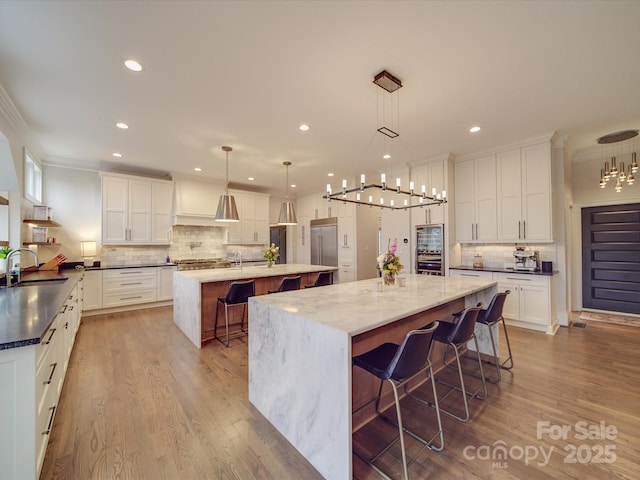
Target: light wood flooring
(141, 402)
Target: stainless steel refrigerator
(324, 241)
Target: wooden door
(611, 258)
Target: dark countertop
(131, 265)
(27, 312)
(506, 270)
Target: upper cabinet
(136, 210)
(431, 176)
(475, 199)
(505, 197)
(524, 194)
(253, 227)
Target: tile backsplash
(187, 242)
(500, 256)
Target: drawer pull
(130, 298)
(519, 279)
(130, 283)
(129, 272)
(53, 412)
(53, 369)
(48, 340)
(63, 309)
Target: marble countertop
(254, 271)
(132, 265)
(505, 270)
(357, 307)
(26, 312)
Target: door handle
(519, 234)
(524, 229)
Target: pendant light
(227, 210)
(287, 210)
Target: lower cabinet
(32, 378)
(121, 287)
(531, 303)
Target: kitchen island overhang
(301, 344)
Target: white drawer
(471, 273)
(525, 279)
(130, 297)
(44, 423)
(129, 283)
(128, 272)
(47, 345)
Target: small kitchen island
(301, 344)
(196, 292)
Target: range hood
(196, 202)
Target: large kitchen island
(196, 293)
(300, 349)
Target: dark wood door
(611, 258)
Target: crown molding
(11, 113)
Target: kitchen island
(196, 292)
(302, 342)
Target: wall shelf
(3, 201)
(42, 223)
(4, 243)
(41, 244)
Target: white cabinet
(196, 202)
(92, 292)
(135, 210)
(471, 274)
(32, 377)
(524, 194)
(431, 176)
(165, 282)
(531, 301)
(253, 227)
(475, 199)
(128, 286)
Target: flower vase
(269, 263)
(389, 279)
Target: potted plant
(4, 253)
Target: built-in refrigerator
(324, 241)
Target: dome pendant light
(227, 210)
(287, 210)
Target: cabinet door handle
(130, 283)
(129, 272)
(50, 379)
(524, 229)
(130, 298)
(519, 234)
(472, 237)
(53, 412)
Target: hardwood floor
(141, 402)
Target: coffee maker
(526, 260)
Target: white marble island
(195, 292)
(301, 344)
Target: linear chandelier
(622, 175)
(405, 198)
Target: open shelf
(42, 223)
(4, 243)
(3, 201)
(41, 244)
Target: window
(32, 179)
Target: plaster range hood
(196, 202)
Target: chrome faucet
(10, 258)
(239, 259)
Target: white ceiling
(247, 73)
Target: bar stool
(456, 336)
(491, 316)
(238, 294)
(398, 364)
(287, 284)
(324, 278)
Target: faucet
(10, 258)
(239, 259)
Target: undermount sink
(41, 281)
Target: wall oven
(430, 249)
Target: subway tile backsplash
(187, 242)
(500, 256)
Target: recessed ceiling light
(251, 179)
(474, 129)
(329, 174)
(116, 154)
(386, 156)
(122, 125)
(198, 169)
(133, 65)
(304, 127)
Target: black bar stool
(238, 294)
(398, 364)
(324, 278)
(491, 316)
(456, 336)
(287, 284)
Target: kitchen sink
(41, 281)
